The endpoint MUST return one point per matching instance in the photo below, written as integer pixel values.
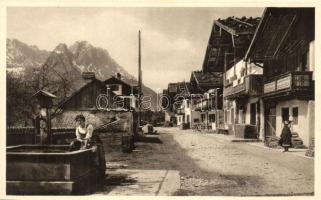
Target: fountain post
(45, 100)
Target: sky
(174, 40)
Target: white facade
(237, 112)
(190, 116)
(303, 122)
(311, 60)
(300, 112)
(168, 115)
(235, 75)
(180, 119)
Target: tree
(19, 102)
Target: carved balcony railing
(289, 82)
(252, 85)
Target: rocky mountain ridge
(67, 63)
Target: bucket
(127, 143)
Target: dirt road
(211, 166)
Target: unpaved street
(243, 169)
(211, 166)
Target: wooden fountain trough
(50, 170)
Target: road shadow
(149, 139)
(113, 180)
(296, 151)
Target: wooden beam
(225, 66)
(226, 28)
(240, 21)
(218, 54)
(233, 41)
(247, 32)
(284, 36)
(234, 61)
(245, 68)
(256, 34)
(209, 55)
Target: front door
(253, 114)
(270, 121)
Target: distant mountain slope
(63, 66)
(22, 56)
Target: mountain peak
(61, 48)
(81, 45)
(22, 55)
(68, 63)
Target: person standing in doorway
(286, 136)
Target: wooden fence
(26, 135)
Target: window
(285, 114)
(187, 118)
(295, 114)
(211, 117)
(202, 117)
(302, 80)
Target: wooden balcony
(202, 105)
(290, 82)
(251, 86)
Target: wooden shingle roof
(214, 79)
(274, 29)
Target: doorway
(270, 121)
(253, 114)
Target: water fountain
(46, 169)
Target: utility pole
(216, 112)
(139, 78)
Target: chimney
(118, 75)
(88, 75)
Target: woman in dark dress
(286, 137)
